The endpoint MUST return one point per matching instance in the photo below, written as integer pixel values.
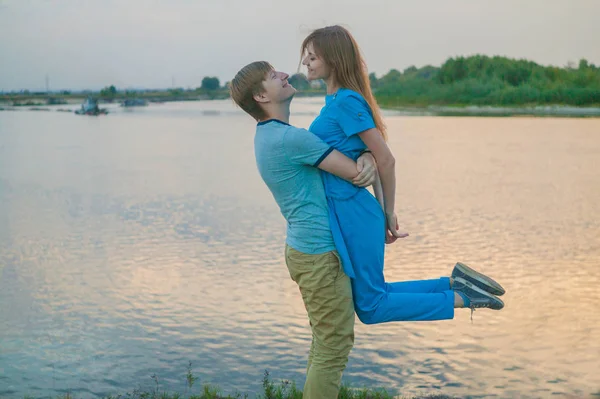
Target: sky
(90, 44)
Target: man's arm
(363, 175)
(367, 170)
(340, 165)
(305, 148)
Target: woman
(351, 122)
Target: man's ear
(261, 98)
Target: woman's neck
(332, 85)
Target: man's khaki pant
(327, 296)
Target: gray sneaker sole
(495, 303)
(480, 280)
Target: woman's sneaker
(479, 280)
(476, 297)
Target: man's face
(277, 87)
(317, 69)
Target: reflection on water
(134, 243)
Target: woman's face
(317, 69)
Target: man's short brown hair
(247, 83)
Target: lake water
(134, 243)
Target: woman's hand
(391, 231)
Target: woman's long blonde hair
(338, 49)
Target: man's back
(287, 158)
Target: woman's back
(344, 115)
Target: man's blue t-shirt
(287, 158)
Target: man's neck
(280, 112)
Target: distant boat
(90, 107)
(134, 102)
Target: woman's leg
(375, 301)
(361, 223)
(395, 306)
(378, 302)
(420, 286)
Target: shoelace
(472, 307)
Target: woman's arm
(385, 186)
(378, 190)
(386, 166)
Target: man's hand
(391, 231)
(367, 170)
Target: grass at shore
(496, 111)
(271, 390)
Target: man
(289, 159)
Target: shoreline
(554, 110)
(49, 102)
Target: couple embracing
(336, 229)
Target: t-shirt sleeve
(304, 148)
(354, 115)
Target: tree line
(483, 80)
(474, 80)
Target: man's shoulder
(270, 133)
(269, 141)
(278, 132)
(293, 131)
(263, 128)
(277, 126)
(275, 132)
